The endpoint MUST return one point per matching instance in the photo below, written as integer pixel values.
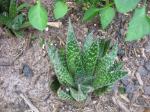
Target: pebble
(147, 47)
(27, 71)
(125, 80)
(130, 88)
(147, 90)
(142, 71)
(147, 65)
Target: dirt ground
(25, 70)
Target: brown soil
(15, 53)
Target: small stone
(125, 81)
(147, 47)
(130, 88)
(147, 90)
(147, 65)
(142, 71)
(27, 71)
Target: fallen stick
(29, 103)
(55, 24)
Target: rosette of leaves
(82, 71)
(12, 17)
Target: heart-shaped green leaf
(38, 16)
(90, 13)
(60, 9)
(124, 6)
(139, 25)
(106, 16)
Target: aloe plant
(81, 71)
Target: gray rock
(147, 90)
(27, 71)
(147, 47)
(125, 80)
(147, 65)
(142, 71)
(130, 88)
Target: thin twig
(29, 103)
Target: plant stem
(145, 2)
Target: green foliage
(12, 18)
(106, 11)
(4, 6)
(139, 25)
(38, 16)
(106, 16)
(124, 6)
(60, 9)
(81, 71)
(90, 13)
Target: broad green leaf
(106, 16)
(13, 9)
(90, 13)
(38, 16)
(61, 71)
(78, 95)
(60, 9)
(139, 25)
(73, 55)
(63, 95)
(124, 6)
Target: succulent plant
(82, 71)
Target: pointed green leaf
(104, 46)
(139, 25)
(90, 58)
(73, 55)
(38, 16)
(106, 79)
(107, 61)
(78, 95)
(87, 89)
(61, 71)
(12, 9)
(90, 13)
(60, 9)
(63, 95)
(106, 16)
(124, 6)
(101, 91)
(102, 69)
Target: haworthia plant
(83, 70)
